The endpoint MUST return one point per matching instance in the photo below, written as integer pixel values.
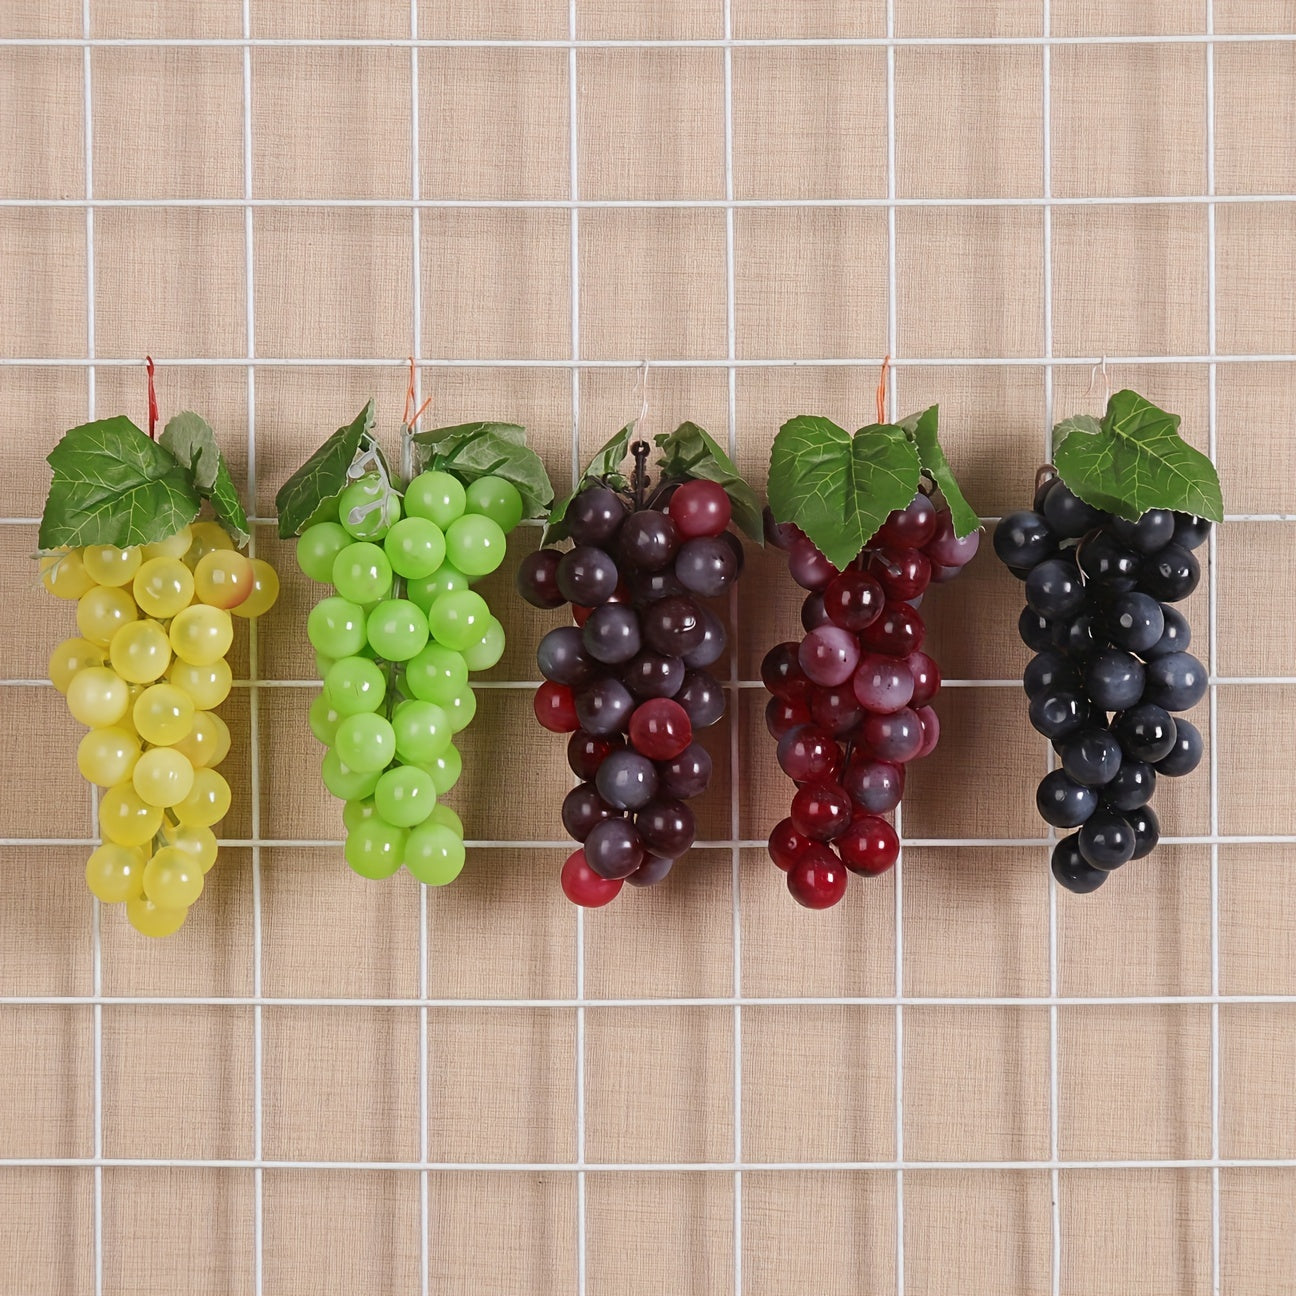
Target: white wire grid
(581, 1166)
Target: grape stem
(639, 477)
(152, 399)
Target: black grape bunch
(630, 681)
(850, 702)
(1108, 549)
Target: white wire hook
(1093, 378)
(641, 387)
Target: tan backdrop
(958, 1082)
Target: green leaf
(112, 485)
(474, 450)
(193, 444)
(1085, 423)
(839, 488)
(1136, 461)
(324, 475)
(605, 466)
(691, 451)
(936, 466)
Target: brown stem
(152, 400)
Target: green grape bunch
(398, 635)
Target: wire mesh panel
(958, 1081)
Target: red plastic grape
(786, 844)
(897, 632)
(700, 508)
(882, 684)
(821, 810)
(586, 752)
(809, 568)
(873, 785)
(807, 754)
(781, 672)
(555, 708)
(853, 600)
(945, 549)
(902, 573)
(895, 738)
(829, 655)
(909, 527)
(926, 677)
(818, 879)
(931, 731)
(660, 728)
(584, 887)
(836, 709)
(869, 846)
(782, 715)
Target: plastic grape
(318, 547)
(357, 812)
(140, 652)
(207, 803)
(336, 627)
(114, 873)
(415, 547)
(204, 538)
(125, 818)
(208, 686)
(396, 630)
(151, 920)
(201, 635)
(345, 783)
(108, 565)
(71, 657)
(437, 496)
(107, 756)
(368, 508)
(497, 499)
(487, 651)
(365, 742)
(199, 844)
(163, 714)
(437, 674)
(98, 696)
(163, 587)
(405, 795)
(460, 707)
(362, 573)
(64, 574)
(374, 849)
(425, 591)
(163, 777)
(102, 612)
(459, 619)
(421, 731)
(445, 770)
(434, 854)
(443, 814)
(208, 742)
(324, 719)
(264, 594)
(475, 544)
(223, 578)
(354, 684)
(174, 546)
(173, 879)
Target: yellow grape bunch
(399, 628)
(148, 666)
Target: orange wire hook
(881, 390)
(152, 399)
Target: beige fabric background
(986, 1103)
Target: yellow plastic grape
(208, 742)
(64, 574)
(108, 565)
(162, 777)
(71, 656)
(140, 652)
(151, 920)
(207, 803)
(201, 635)
(163, 714)
(102, 611)
(206, 537)
(115, 873)
(223, 578)
(174, 546)
(125, 819)
(208, 686)
(162, 587)
(98, 696)
(172, 880)
(199, 844)
(107, 756)
(265, 591)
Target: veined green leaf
(323, 476)
(839, 488)
(474, 450)
(605, 466)
(189, 438)
(1135, 461)
(691, 451)
(936, 466)
(112, 485)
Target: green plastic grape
(436, 673)
(437, 496)
(460, 707)
(415, 547)
(368, 508)
(422, 731)
(362, 573)
(459, 619)
(324, 720)
(375, 849)
(345, 783)
(397, 630)
(354, 684)
(318, 546)
(487, 651)
(366, 742)
(434, 854)
(497, 499)
(445, 770)
(405, 795)
(442, 814)
(358, 812)
(475, 544)
(425, 591)
(336, 627)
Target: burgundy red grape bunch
(1105, 553)
(851, 701)
(629, 680)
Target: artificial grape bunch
(629, 681)
(1103, 567)
(156, 595)
(402, 629)
(851, 701)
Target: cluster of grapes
(145, 675)
(629, 681)
(394, 645)
(1110, 666)
(851, 702)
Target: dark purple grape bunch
(629, 681)
(851, 702)
(1111, 668)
